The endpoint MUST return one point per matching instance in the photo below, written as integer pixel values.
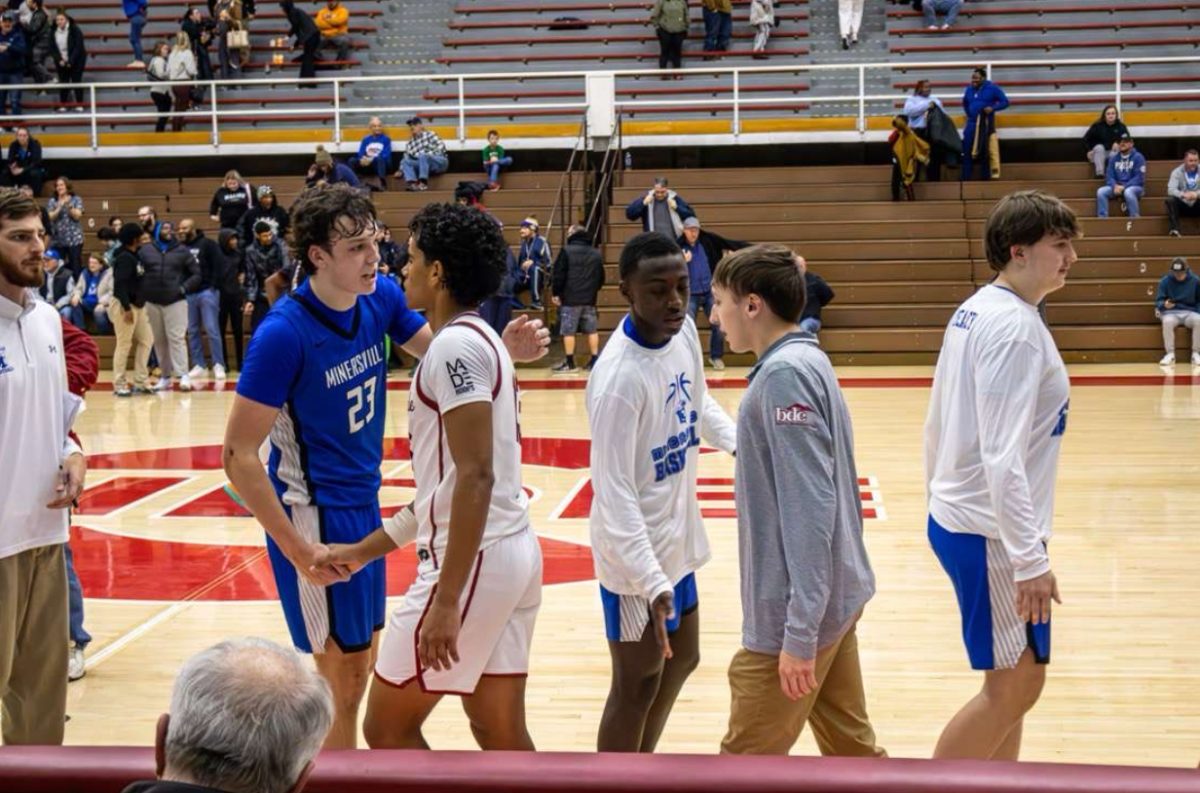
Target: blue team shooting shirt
(326, 371)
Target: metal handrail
(564, 197)
(603, 198)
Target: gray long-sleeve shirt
(804, 568)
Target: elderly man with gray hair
(247, 716)
(661, 209)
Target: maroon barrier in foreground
(107, 770)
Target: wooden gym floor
(170, 565)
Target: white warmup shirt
(648, 409)
(466, 362)
(33, 431)
(996, 420)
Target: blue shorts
(626, 616)
(350, 612)
(979, 568)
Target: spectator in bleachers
(576, 280)
(160, 92)
(27, 191)
(947, 8)
(200, 32)
(1183, 191)
(91, 296)
(374, 155)
(24, 9)
(70, 59)
(25, 162)
(57, 284)
(1101, 139)
(181, 65)
(661, 209)
(533, 263)
(170, 274)
(702, 250)
(670, 21)
(982, 99)
(265, 256)
(1178, 303)
(231, 202)
(424, 156)
(909, 152)
(108, 239)
(65, 210)
(334, 23)
(390, 253)
(39, 37)
(325, 170)
(136, 12)
(762, 19)
(247, 716)
(850, 14)
(267, 209)
(818, 294)
(916, 108)
(718, 25)
(130, 324)
(148, 219)
(305, 34)
(12, 63)
(1126, 179)
(231, 272)
(228, 14)
(204, 304)
(494, 159)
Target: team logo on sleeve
(794, 414)
(460, 377)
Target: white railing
(335, 102)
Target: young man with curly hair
(315, 381)
(467, 621)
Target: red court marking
(215, 503)
(130, 568)
(188, 458)
(718, 513)
(121, 492)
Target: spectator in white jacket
(181, 65)
(762, 18)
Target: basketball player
(648, 406)
(315, 381)
(467, 621)
(805, 574)
(997, 415)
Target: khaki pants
(135, 335)
(33, 646)
(762, 720)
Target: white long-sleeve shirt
(648, 409)
(996, 420)
(916, 106)
(33, 432)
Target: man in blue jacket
(1126, 179)
(12, 61)
(981, 101)
(1178, 303)
(660, 209)
(375, 152)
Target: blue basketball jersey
(326, 371)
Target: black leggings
(163, 103)
(670, 49)
(232, 313)
(70, 74)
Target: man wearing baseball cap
(1126, 179)
(1178, 303)
(425, 155)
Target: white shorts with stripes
(499, 609)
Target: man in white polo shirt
(41, 473)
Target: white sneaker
(185, 383)
(75, 666)
(718, 364)
(218, 371)
(1196, 359)
(163, 384)
(197, 372)
(1167, 360)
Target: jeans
(810, 325)
(716, 343)
(10, 78)
(339, 43)
(981, 166)
(422, 166)
(718, 30)
(497, 312)
(136, 23)
(948, 7)
(1130, 197)
(493, 168)
(204, 310)
(79, 635)
(531, 280)
(78, 315)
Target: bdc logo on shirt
(793, 414)
(460, 377)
